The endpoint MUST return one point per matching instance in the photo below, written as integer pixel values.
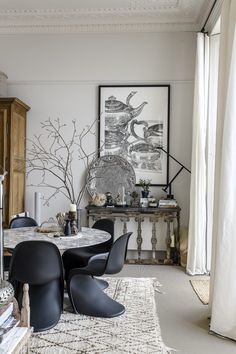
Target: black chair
(79, 257)
(108, 226)
(85, 294)
(22, 221)
(19, 221)
(39, 264)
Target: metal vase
(78, 220)
(6, 292)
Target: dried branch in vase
(60, 157)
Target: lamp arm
(180, 170)
(169, 184)
(168, 154)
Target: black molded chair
(22, 221)
(108, 226)
(39, 264)
(85, 294)
(79, 257)
(19, 221)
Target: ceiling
(74, 16)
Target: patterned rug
(136, 331)
(202, 289)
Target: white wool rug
(136, 331)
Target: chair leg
(87, 298)
(103, 284)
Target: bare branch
(59, 157)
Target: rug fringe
(156, 286)
(170, 350)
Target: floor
(183, 318)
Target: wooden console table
(169, 215)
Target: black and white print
(134, 124)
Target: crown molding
(99, 28)
(139, 16)
(76, 82)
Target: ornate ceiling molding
(99, 28)
(139, 16)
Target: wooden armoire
(12, 155)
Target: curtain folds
(197, 243)
(211, 140)
(223, 279)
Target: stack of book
(7, 322)
(167, 203)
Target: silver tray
(110, 173)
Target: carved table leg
(177, 241)
(139, 220)
(125, 219)
(153, 220)
(168, 219)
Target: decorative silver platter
(110, 173)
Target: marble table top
(86, 237)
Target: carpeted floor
(202, 289)
(136, 331)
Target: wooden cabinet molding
(12, 154)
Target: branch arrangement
(57, 158)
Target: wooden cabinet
(12, 154)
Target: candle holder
(72, 215)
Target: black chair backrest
(108, 226)
(35, 262)
(39, 264)
(105, 225)
(22, 221)
(117, 254)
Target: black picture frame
(134, 122)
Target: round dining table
(86, 237)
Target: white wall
(58, 76)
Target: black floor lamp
(168, 186)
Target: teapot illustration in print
(118, 114)
(144, 152)
(152, 134)
(117, 117)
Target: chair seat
(76, 257)
(85, 291)
(87, 298)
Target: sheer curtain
(197, 244)
(211, 139)
(223, 318)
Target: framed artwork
(134, 124)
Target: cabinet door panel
(3, 138)
(17, 183)
(17, 202)
(12, 154)
(18, 136)
(4, 161)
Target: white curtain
(211, 139)
(223, 277)
(197, 244)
